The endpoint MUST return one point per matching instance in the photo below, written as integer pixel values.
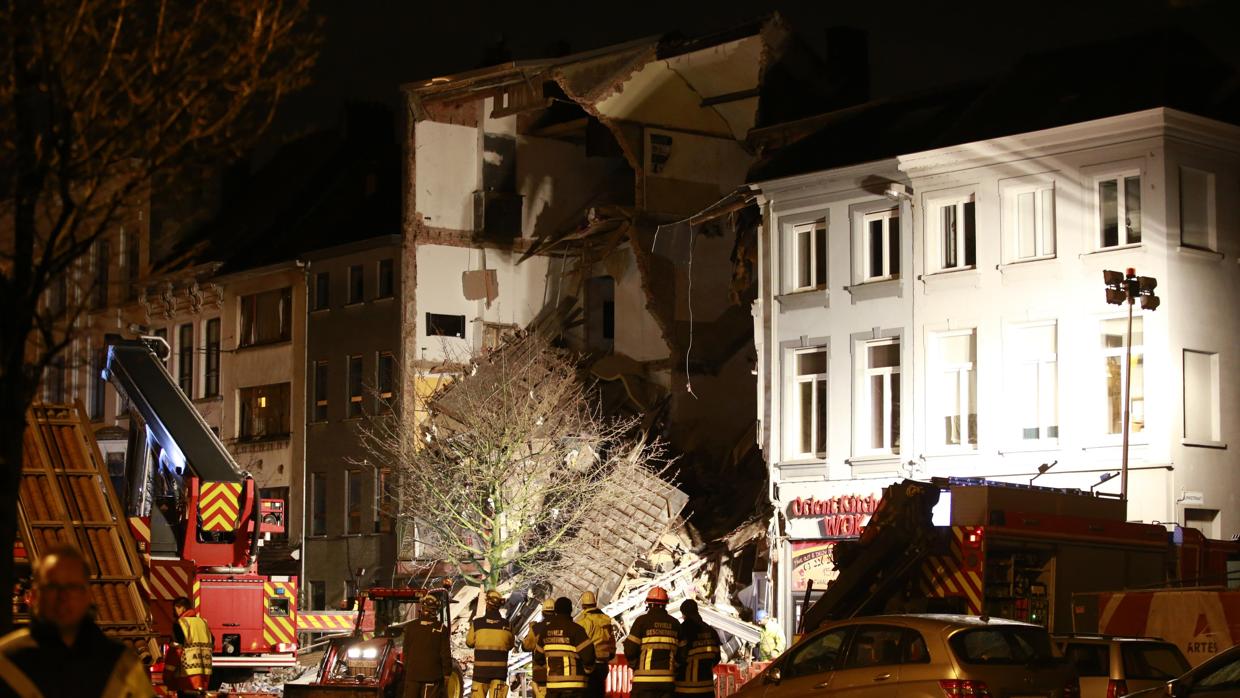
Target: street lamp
(1120, 289)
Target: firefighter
(566, 653)
(491, 640)
(598, 626)
(530, 644)
(697, 653)
(191, 636)
(651, 648)
(427, 653)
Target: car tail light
(964, 688)
(1116, 688)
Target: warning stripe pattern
(311, 621)
(140, 527)
(169, 581)
(943, 576)
(218, 504)
(279, 629)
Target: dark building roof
(321, 190)
(1120, 76)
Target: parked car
(1217, 677)
(919, 656)
(1110, 667)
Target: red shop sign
(839, 517)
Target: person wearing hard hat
(651, 648)
(566, 652)
(697, 653)
(598, 626)
(530, 644)
(427, 652)
(771, 639)
(491, 640)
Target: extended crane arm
(137, 370)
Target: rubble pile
(270, 683)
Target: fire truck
(1010, 551)
(198, 519)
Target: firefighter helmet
(430, 605)
(657, 595)
(548, 606)
(494, 599)
(588, 600)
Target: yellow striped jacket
(598, 627)
(697, 653)
(566, 653)
(651, 647)
(491, 640)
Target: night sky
(374, 46)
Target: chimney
(848, 67)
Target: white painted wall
(447, 161)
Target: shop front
(816, 516)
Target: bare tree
(98, 98)
(509, 465)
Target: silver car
(1217, 677)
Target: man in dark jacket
(651, 648)
(697, 653)
(492, 640)
(530, 644)
(566, 652)
(427, 653)
(63, 654)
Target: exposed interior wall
(559, 182)
(446, 159)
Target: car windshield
(1011, 645)
(1153, 661)
(1224, 677)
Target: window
(185, 359)
(103, 257)
(1089, 659)
(954, 228)
(322, 291)
(1152, 661)
(881, 246)
(133, 264)
(266, 317)
(1119, 210)
(317, 595)
(318, 504)
(386, 380)
(1030, 218)
(877, 645)
(98, 386)
(817, 655)
(387, 278)
(320, 391)
(211, 372)
(809, 402)
(879, 403)
(385, 501)
(357, 284)
(601, 314)
(998, 645)
(58, 298)
(810, 249)
(955, 354)
(1197, 211)
(355, 386)
(353, 495)
(445, 325)
(1114, 332)
(1201, 396)
(1036, 381)
(264, 411)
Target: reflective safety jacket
(530, 644)
(196, 643)
(566, 652)
(697, 653)
(651, 647)
(426, 651)
(598, 626)
(491, 640)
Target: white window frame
(1138, 352)
(1211, 208)
(1010, 196)
(862, 241)
(810, 228)
(934, 227)
(792, 429)
(1040, 363)
(964, 371)
(1215, 416)
(862, 407)
(1119, 176)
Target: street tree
(98, 99)
(508, 465)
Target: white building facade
(942, 314)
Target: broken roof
(1170, 69)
